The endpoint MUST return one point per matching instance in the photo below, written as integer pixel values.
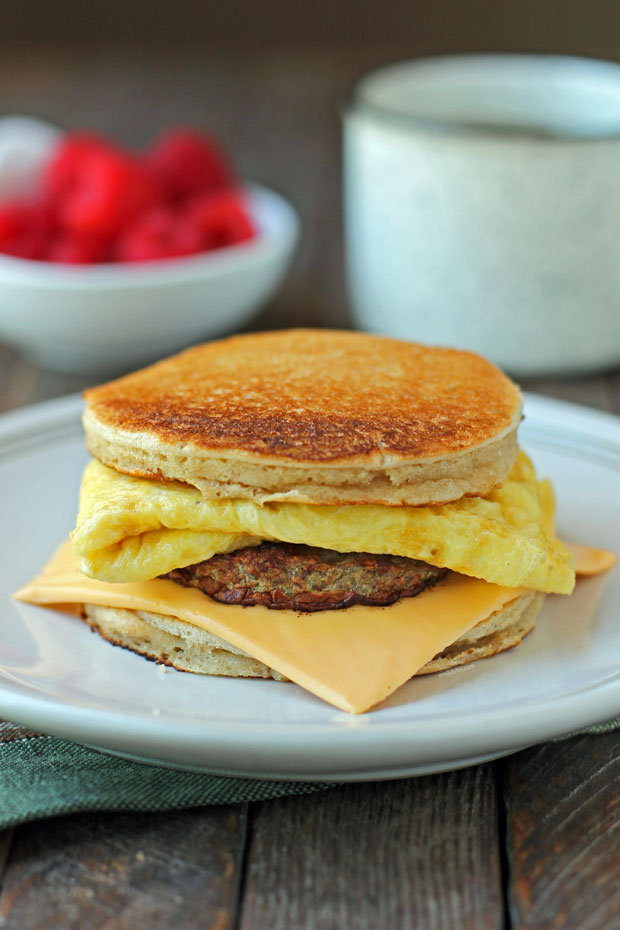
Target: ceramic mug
(482, 207)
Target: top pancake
(312, 415)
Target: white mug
(482, 207)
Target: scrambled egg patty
(133, 529)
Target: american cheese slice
(350, 658)
(591, 561)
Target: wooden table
(531, 841)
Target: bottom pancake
(502, 630)
(175, 643)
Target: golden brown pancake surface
(314, 396)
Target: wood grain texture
(420, 853)
(21, 383)
(421, 28)
(563, 829)
(126, 872)
(6, 841)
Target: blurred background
(270, 79)
(418, 26)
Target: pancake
(312, 416)
(181, 645)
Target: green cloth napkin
(43, 776)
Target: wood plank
(563, 820)
(126, 871)
(415, 853)
(23, 383)
(426, 28)
(6, 841)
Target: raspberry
(30, 244)
(25, 229)
(222, 219)
(10, 221)
(23, 215)
(159, 233)
(99, 203)
(184, 162)
(74, 250)
(109, 191)
(64, 169)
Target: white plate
(57, 676)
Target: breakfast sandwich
(335, 508)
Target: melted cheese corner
(130, 529)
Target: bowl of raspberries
(110, 258)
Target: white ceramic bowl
(109, 318)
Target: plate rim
(542, 719)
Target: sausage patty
(284, 576)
